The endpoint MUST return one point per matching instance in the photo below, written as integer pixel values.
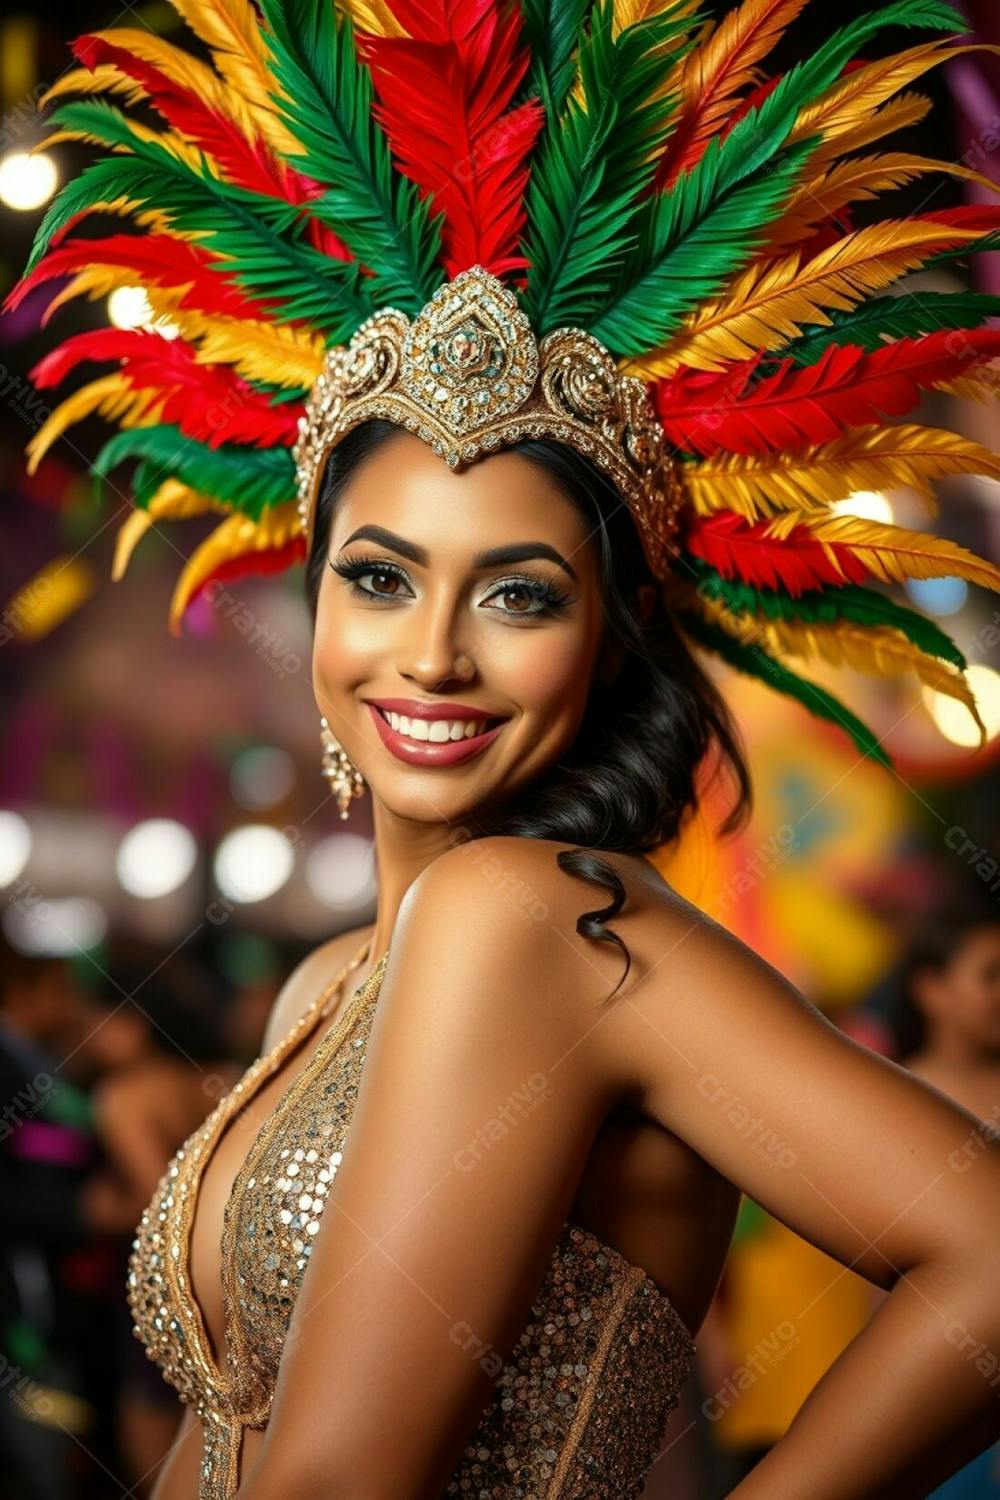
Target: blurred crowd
(102, 1076)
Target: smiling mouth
(437, 731)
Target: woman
(518, 501)
(947, 1028)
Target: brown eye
(389, 578)
(512, 591)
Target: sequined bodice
(582, 1401)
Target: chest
(272, 1148)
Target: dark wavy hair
(932, 946)
(629, 777)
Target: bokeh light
(155, 857)
(253, 862)
(27, 180)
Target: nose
(432, 657)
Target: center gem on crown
(472, 349)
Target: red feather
(444, 92)
(847, 387)
(271, 560)
(725, 63)
(247, 164)
(210, 403)
(737, 549)
(157, 260)
(982, 216)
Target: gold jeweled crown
(468, 375)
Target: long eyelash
(353, 568)
(548, 597)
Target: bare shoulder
(511, 908)
(307, 979)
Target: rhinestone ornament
(467, 375)
(579, 1403)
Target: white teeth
(436, 731)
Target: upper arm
(136, 1148)
(480, 1098)
(873, 1166)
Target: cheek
(344, 645)
(546, 670)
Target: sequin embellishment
(582, 1400)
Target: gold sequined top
(583, 1399)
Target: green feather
(374, 208)
(695, 239)
(825, 606)
(553, 29)
(591, 167)
(988, 244)
(703, 230)
(257, 233)
(98, 118)
(248, 479)
(764, 128)
(906, 315)
(756, 662)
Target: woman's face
(471, 597)
(965, 994)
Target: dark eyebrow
(495, 557)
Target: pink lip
(422, 752)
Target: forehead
(408, 488)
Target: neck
(949, 1046)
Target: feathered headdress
(617, 168)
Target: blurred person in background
(946, 1026)
(162, 1057)
(51, 1228)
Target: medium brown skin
(634, 1133)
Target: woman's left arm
(876, 1168)
(481, 1094)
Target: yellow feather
(373, 17)
(110, 397)
(858, 178)
(630, 12)
(868, 458)
(239, 50)
(900, 114)
(236, 536)
(881, 650)
(173, 501)
(97, 281)
(145, 217)
(982, 384)
(106, 78)
(853, 98)
(185, 69)
(890, 553)
(770, 301)
(741, 40)
(260, 351)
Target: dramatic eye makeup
(538, 594)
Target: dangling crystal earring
(346, 781)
